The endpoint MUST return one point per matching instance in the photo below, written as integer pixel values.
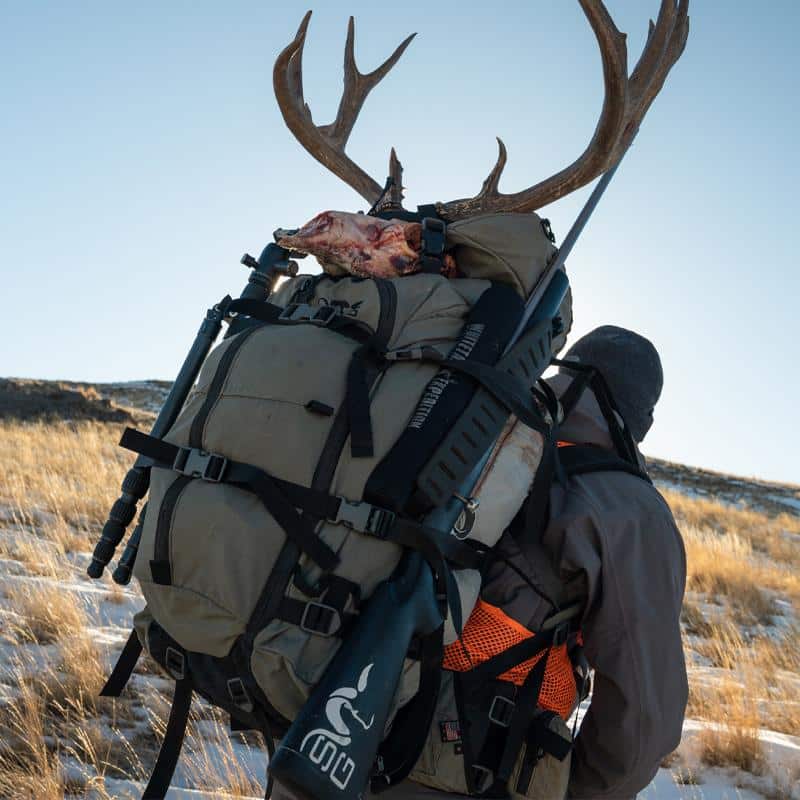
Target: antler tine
(615, 56)
(356, 87)
(626, 101)
(647, 83)
(327, 142)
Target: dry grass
(28, 769)
(40, 557)
(218, 767)
(765, 534)
(70, 471)
(49, 613)
(740, 563)
(59, 481)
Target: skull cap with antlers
(627, 99)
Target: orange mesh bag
(489, 632)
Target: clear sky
(142, 152)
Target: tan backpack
(274, 497)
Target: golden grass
(28, 769)
(70, 470)
(60, 480)
(739, 563)
(216, 765)
(49, 612)
(765, 534)
(40, 557)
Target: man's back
(615, 532)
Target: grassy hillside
(59, 632)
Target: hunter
(617, 534)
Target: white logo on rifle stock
(326, 747)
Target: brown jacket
(616, 531)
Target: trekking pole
(272, 264)
(406, 604)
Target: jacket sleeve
(632, 639)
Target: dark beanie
(632, 369)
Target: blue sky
(142, 152)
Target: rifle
(321, 757)
(272, 264)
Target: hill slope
(59, 632)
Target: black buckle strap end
(433, 244)
(195, 463)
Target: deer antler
(626, 102)
(327, 142)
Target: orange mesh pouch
(489, 632)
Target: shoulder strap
(583, 459)
(590, 377)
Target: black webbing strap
(173, 742)
(280, 498)
(526, 701)
(358, 403)
(504, 712)
(583, 459)
(257, 309)
(591, 376)
(518, 654)
(323, 619)
(431, 545)
(434, 232)
(402, 748)
(540, 739)
(124, 667)
(507, 389)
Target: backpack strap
(172, 743)
(124, 667)
(581, 459)
(400, 751)
(500, 714)
(434, 231)
(590, 377)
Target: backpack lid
(507, 247)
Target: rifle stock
(331, 746)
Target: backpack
(290, 484)
(500, 726)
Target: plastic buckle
(314, 616)
(364, 517)
(295, 312)
(482, 777)
(239, 695)
(560, 634)
(323, 315)
(409, 354)
(302, 312)
(196, 463)
(433, 237)
(502, 711)
(175, 663)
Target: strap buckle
(561, 634)
(239, 695)
(320, 619)
(433, 237)
(303, 312)
(502, 711)
(482, 777)
(364, 518)
(175, 663)
(196, 463)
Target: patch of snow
(792, 502)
